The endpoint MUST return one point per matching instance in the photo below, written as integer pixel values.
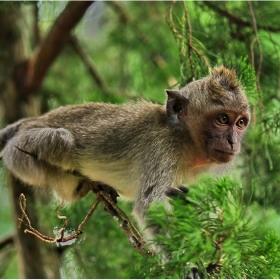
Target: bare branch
(183, 35)
(106, 197)
(259, 44)
(88, 62)
(92, 69)
(169, 20)
(122, 214)
(134, 237)
(36, 31)
(59, 238)
(258, 86)
(50, 48)
(125, 20)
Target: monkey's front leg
(180, 193)
(86, 185)
(149, 194)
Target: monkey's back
(117, 143)
(100, 126)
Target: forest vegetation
(59, 53)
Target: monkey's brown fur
(140, 150)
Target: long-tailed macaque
(140, 150)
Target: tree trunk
(14, 52)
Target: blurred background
(60, 53)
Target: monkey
(141, 149)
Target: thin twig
(134, 237)
(184, 39)
(51, 46)
(259, 44)
(93, 70)
(26, 152)
(169, 20)
(143, 38)
(252, 52)
(59, 237)
(82, 224)
(128, 228)
(189, 38)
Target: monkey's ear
(176, 104)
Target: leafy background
(138, 54)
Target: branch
(124, 17)
(190, 38)
(259, 44)
(125, 20)
(59, 238)
(256, 39)
(105, 195)
(50, 48)
(183, 36)
(92, 69)
(234, 19)
(134, 237)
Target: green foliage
(6, 5)
(245, 73)
(139, 58)
(214, 232)
(98, 251)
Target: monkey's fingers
(178, 193)
(184, 189)
(112, 192)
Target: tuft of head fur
(221, 81)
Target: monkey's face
(223, 135)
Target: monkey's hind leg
(52, 145)
(40, 160)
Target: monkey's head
(214, 111)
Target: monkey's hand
(178, 193)
(109, 190)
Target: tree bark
(50, 48)
(21, 76)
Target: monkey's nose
(231, 143)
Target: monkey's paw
(112, 192)
(82, 190)
(178, 193)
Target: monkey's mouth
(224, 152)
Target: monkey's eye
(222, 119)
(241, 122)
